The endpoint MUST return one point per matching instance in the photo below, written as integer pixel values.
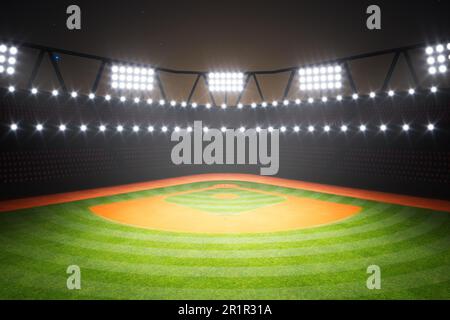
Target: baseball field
(225, 237)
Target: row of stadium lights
(327, 128)
(173, 103)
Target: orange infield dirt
(158, 214)
(17, 204)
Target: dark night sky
(245, 35)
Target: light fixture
(383, 127)
(372, 95)
(164, 129)
(137, 100)
(223, 129)
(184, 104)
(224, 106)
(83, 128)
(55, 93)
(226, 81)
(270, 129)
(405, 127)
(119, 128)
(123, 99)
(205, 129)
(107, 97)
(127, 77)
(7, 59)
(253, 105)
(362, 128)
(189, 129)
(176, 129)
(258, 129)
(242, 129)
(298, 101)
(433, 89)
(320, 78)
(136, 128)
(283, 129)
(310, 100)
(240, 105)
(62, 128)
(150, 129)
(173, 103)
(430, 127)
(339, 98)
(162, 102)
(296, 128)
(34, 91)
(274, 103)
(411, 91)
(344, 128)
(14, 127)
(264, 104)
(11, 89)
(102, 128)
(39, 127)
(149, 101)
(311, 128)
(91, 96)
(324, 99)
(355, 96)
(436, 60)
(391, 93)
(73, 94)
(194, 105)
(208, 106)
(286, 102)
(326, 128)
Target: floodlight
(310, 100)
(253, 105)
(298, 101)
(383, 127)
(55, 93)
(264, 104)
(223, 129)
(286, 102)
(433, 89)
(194, 105)
(91, 96)
(137, 100)
(339, 98)
(39, 127)
(176, 129)
(123, 99)
(355, 96)
(102, 128)
(14, 127)
(391, 93)
(362, 128)
(73, 94)
(162, 102)
(7, 59)
(372, 95)
(296, 128)
(134, 78)
(240, 105)
(164, 129)
(189, 129)
(430, 127)
(184, 104)
(270, 129)
(311, 128)
(205, 129)
(136, 128)
(324, 99)
(411, 91)
(283, 129)
(437, 59)
(83, 128)
(274, 103)
(226, 81)
(258, 129)
(119, 128)
(224, 106)
(149, 101)
(344, 128)
(320, 78)
(150, 129)
(405, 127)
(107, 97)
(242, 129)
(11, 89)
(326, 128)
(208, 106)
(62, 128)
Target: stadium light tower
(132, 78)
(7, 60)
(226, 81)
(437, 58)
(320, 78)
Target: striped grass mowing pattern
(411, 246)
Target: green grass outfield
(411, 246)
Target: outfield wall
(416, 163)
